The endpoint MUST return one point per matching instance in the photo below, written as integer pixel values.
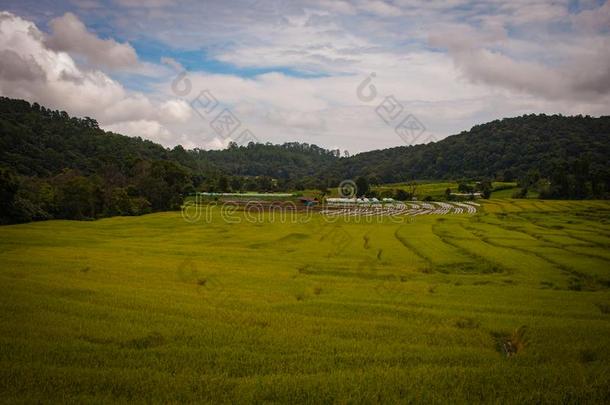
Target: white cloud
(579, 71)
(144, 128)
(31, 70)
(296, 120)
(17, 68)
(69, 34)
(490, 60)
(175, 111)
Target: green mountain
(56, 166)
(512, 146)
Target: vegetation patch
(467, 323)
(75, 293)
(469, 268)
(587, 356)
(604, 307)
(583, 282)
(294, 237)
(366, 241)
(97, 340)
(510, 344)
(149, 341)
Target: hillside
(35, 141)
(510, 146)
(49, 160)
(38, 141)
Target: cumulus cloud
(296, 119)
(483, 55)
(144, 128)
(30, 69)
(289, 70)
(17, 68)
(69, 34)
(175, 111)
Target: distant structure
(356, 201)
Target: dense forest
(507, 149)
(56, 166)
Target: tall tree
(362, 186)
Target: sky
(350, 75)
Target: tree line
(56, 166)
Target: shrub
(520, 193)
(402, 195)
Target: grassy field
(433, 189)
(511, 305)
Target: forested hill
(56, 166)
(512, 147)
(35, 141)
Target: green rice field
(510, 305)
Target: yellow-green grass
(155, 309)
(435, 190)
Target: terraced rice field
(399, 209)
(510, 304)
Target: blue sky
(290, 70)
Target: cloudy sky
(336, 73)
